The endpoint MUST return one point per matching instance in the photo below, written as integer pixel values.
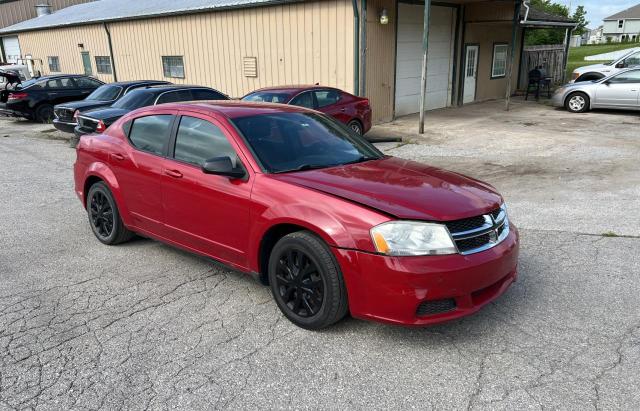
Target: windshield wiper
(304, 167)
(361, 159)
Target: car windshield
(135, 99)
(105, 93)
(267, 97)
(288, 142)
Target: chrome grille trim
(495, 227)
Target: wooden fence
(550, 57)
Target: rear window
(205, 94)
(105, 93)
(135, 99)
(267, 97)
(175, 96)
(151, 133)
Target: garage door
(409, 58)
(11, 49)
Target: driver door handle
(173, 173)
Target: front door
(470, 73)
(620, 90)
(204, 212)
(86, 63)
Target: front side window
(151, 133)
(173, 66)
(54, 64)
(632, 76)
(103, 64)
(632, 61)
(327, 97)
(499, 64)
(304, 100)
(286, 142)
(105, 93)
(198, 140)
(266, 97)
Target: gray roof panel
(630, 13)
(112, 10)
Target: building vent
(250, 66)
(43, 9)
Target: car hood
(592, 67)
(402, 188)
(105, 114)
(84, 105)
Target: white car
(602, 70)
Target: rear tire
(104, 217)
(577, 102)
(356, 127)
(44, 113)
(306, 281)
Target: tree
(547, 36)
(580, 17)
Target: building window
(620, 24)
(54, 64)
(173, 66)
(499, 64)
(103, 64)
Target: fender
(103, 172)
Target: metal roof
(630, 13)
(113, 10)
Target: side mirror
(621, 65)
(222, 166)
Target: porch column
(512, 53)
(567, 43)
(425, 49)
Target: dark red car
(348, 109)
(293, 197)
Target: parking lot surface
(144, 325)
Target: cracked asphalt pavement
(147, 326)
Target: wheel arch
(590, 75)
(97, 172)
(566, 98)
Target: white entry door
(409, 57)
(470, 73)
(11, 49)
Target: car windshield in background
(267, 97)
(135, 99)
(287, 142)
(105, 93)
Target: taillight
(100, 127)
(17, 96)
(363, 103)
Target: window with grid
(620, 24)
(54, 64)
(103, 64)
(499, 65)
(173, 66)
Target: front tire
(306, 281)
(44, 113)
(577, 102)
(104, 217)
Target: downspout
(356, 48)
(525, 3)
(425, 52)
(512, 54)
(363, 49)
(113, 63)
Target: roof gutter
(356, 48)
(547, 23)
(113, 63)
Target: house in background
(593, 36)
(623, 26)
(373, 48)
(15, 11)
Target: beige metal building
(369, 47)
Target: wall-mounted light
(80, 45)
(384, 16)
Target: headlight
(404, 238)
(575, 75)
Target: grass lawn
(577, 54)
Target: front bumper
(64, 126)
(391, 289)
(557, 100)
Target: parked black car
(34, 99)
(98, 120)
(103, 96)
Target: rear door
(305, 99)
(137, 165)
(620, 91)
(332, 102)
(207, 213)
(62, 89)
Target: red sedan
(320, 215)
(348, 109)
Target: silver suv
(602, 70)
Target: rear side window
(174, 96)
(151, 133)
(327, 97)
(198, 140)
(204, 94)
(304, 100)
(632, 76)
(60, 83)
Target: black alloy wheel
(101, 215)
(306, 281)
(104, 217)
(355, 126)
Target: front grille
(479, 233)
(435, 307)
(86, 124)
(64, 114)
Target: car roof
(293, 88)
(161, 88)
(234, 108)
(54, 76)
(136, 82)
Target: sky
(599, 9)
